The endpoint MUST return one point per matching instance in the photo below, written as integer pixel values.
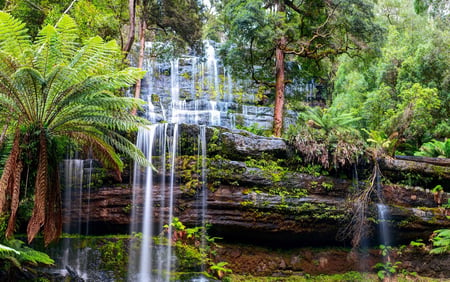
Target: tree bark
(137, 89)
(41, 185)
(132, 28)
(279, 82)
(415, 167)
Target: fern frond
(7, 251)
(68, 33)
(14, 38)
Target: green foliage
(386, 269)
(435, 149)
(405, 90)
(381, 143)
(14, 254)
(191, 253)
(114, 256)
(441, 241)
(327, 137)
(270, 168)
(253, 32)
(57, 90)
(417, 243)
(219, 269)
(255, 129)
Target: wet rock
(238, 145)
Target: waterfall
(73, 259)
(204, 189)
(383, 224)
(191, 94)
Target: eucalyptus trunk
(132, 27)
(279, 81)
(137, 90)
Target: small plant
(438, 191)
(441, 241)
(447, 205)
(387, 269)
(417, 243)
(219, 269)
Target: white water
(73, 259)
(383, 224)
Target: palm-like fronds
(16, 252)
(60, 88)
(435, 149)
(328, 119)
(328, 138)
(14, 38)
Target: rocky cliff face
(259, 194)
(258, 201)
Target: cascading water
(73, 261)
(383, 224)
(185, 91)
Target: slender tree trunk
(37, 219)
(132, 28)
(279, 82)
(8, 173)
(137, 90)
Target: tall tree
(267, 34)
(54, 91)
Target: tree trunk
(279, 82)
(40, 196)
(416, 167)
(132, 28)
(137, 90)
(435, 161)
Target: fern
(16, 253)
(435, 149)
(14, 38)
(62, 89)
(441, 241)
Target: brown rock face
(241, 214)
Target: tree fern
(59, 88)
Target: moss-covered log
(442, 172)
(435, 161)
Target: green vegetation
(435, 149)
(191, 253)
(441, 241)
(327, 137)
(348, 276)
(114, 256)
(16, 257)
(57, 91)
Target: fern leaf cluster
(60, 88)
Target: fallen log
(442, 172)
(435, 161)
